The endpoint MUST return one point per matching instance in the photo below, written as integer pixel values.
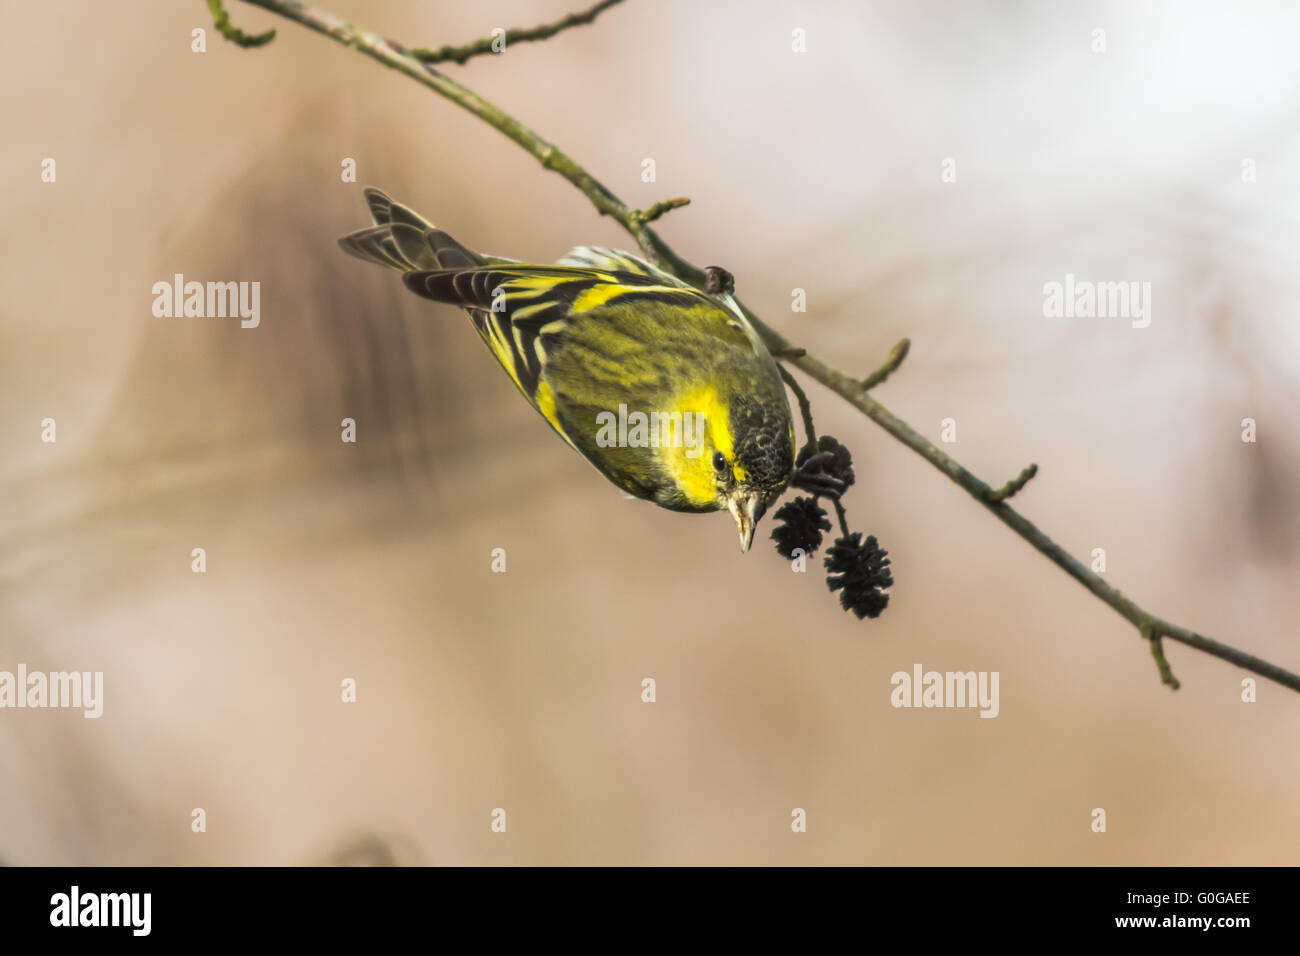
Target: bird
(666, 389)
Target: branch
(805, 407)
(896, 356)
(1158, 652)
(659, 208)
(1015, 484)
(459, 54)
(1149, 626)
(221, 20)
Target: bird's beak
(746, 507)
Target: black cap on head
(762, 441)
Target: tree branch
(1158, 652)
(805, 407)
(659, 208)
(1150, 627)
(896, 356)
(221, 21)
(460, 54)
(1015, 484)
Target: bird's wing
(523, 312)
(612, 260)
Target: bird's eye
(719, 462)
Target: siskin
(603, 331)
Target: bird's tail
(403, 240)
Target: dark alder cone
(859, 571)
(800, 523)
(840, 464)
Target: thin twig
(659, 208)
(1158, 652)
(1015, 484)
(608, 204)
(460, 54)
(842, 515)
(221, 20)
(805, 406)
(895, 359)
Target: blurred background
(818, 170)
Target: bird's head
(752, 458)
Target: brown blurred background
(476, 690)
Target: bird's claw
(810, 477)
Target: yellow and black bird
(603, 336)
